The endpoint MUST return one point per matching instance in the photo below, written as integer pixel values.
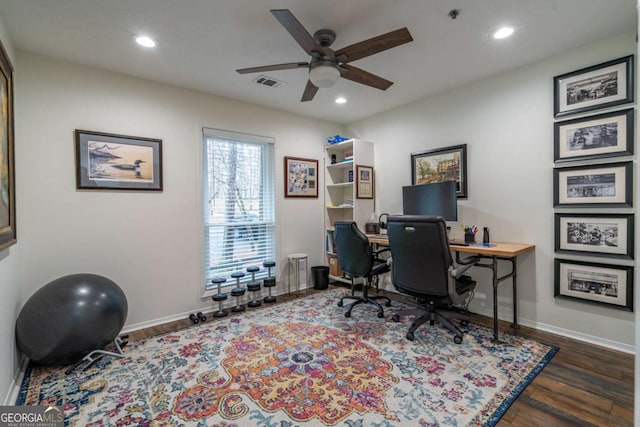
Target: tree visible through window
(239, 203)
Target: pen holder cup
(469, 238)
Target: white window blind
(239, 204)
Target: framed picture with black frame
(608, 185)
(364, 182)
(603, 135)
(107, 161)
(604, 284)
(596, 87)
(440, 165)
(610, 235)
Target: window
(239, 204)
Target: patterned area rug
(298, 363)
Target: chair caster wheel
(395, 318)
(464, 322)
(194, 318)
(380, 314)
(457, 339)
(410, 336)
(340, 304)
(387, 304)
(201, 316)
(347, 314)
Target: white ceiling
(202, 42)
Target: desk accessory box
(334, 266)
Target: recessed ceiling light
(341, 100)
(503, 33)
(145, 41)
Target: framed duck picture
(117, 162)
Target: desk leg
(515, 298)
(494, 270)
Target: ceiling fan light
(323, 76)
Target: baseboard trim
(185, 315)
(578, 336)
(16, 383)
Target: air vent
(268, 81)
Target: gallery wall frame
(300, 177)
(108, 161)
(595, 283)
(606, 185)
(600, 86)
(600, 136)
(8, 235)
(440, 165)
(609, 235)
(364, 182)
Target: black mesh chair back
(421, 254)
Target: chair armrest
(377, 253)
(457, 271)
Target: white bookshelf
(341, 203)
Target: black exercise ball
(70, 317)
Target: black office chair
(358, 259)
(423, 268)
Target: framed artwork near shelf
(8, 235)
(364, 182)
(440, 165)
(300, 177)
(604, 135)
(607, 185)
(107, 161)
(610, 235)
(596, 87)
(605, 284)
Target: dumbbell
(219, 297)
(238, 291)
(269, 282)
(253, 287)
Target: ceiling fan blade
(374, 45)
(361, 76)
(287, 66)
(309, 92)
(297, 31)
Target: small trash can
(320, 275)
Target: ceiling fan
(326, 65)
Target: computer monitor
(431, 199)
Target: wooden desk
(498, 251)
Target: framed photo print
(117, 162)
(7, 162)
(300, 177)
(364, 182)
(595, 234)
(440, 165)
(600, 86)
(604, 135)
(610, 285)
(608, 185)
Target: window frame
(270, 180)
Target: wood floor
(583, 385)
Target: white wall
(10, 280)
(147, 242)
(507, 122)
